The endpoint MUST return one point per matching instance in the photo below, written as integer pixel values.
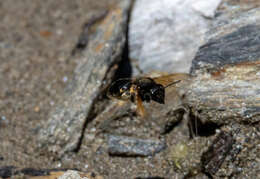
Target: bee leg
(140, 107)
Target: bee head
(120, 89)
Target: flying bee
(143, 89)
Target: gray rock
(63, 130)
(232, 39)
(239, 46)
(213, 158)
(6, 171)
(165, 35)
(130, 146)
(226, 87)
(225, 90)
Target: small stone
(52, 103)
(3, 118)
(70, 174)
(36, 109)
(130, 146)
(65, 79)
(216, 154)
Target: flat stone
(130, 146)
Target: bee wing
(171, 78)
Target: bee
(143, 89)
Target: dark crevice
(124, 69)
(196, 126)
(203, 129)
(124, 66)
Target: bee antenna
(172, 83)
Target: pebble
(65, 79)
(36, 109)
(130, 146)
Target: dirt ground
(36, 65)
(36, 41)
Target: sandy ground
(36, 41)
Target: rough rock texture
(238, 157)
(213, 158)
(225, 90)
(64, 127)
(227, 85)
(227, 95)
(230, 43)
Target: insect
(143, 89)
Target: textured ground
(36, 41)
(36, 64)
